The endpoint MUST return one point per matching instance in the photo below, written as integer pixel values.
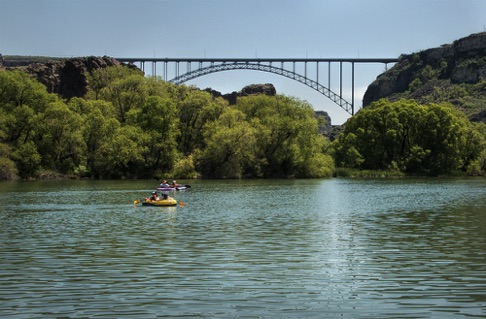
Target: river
(325, 248)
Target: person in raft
(166, 197)
(164, 184)
(154, 196)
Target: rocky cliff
(453, 72)
(65, 77)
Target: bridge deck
(262, 60)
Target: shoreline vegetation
(128, 126)
(338, 173)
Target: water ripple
(266, 249)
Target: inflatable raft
(161, 202)
(168, 189)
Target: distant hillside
(453, 72)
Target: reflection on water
(255, 249)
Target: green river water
(327, 248)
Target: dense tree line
(432, 139)
(131, 126)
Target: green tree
(345, 152)
(288, 140)
(120, 155)
(442, 137)
(8, 169)
(27, 159)
(22, 99)
(230, 146)
(17, 88)
(429, 139)
(195, 109)
(126, 89)
(59, 138)
(98, 125)
(157, 118)
(18, 124)
(102, 78)
(313, 159)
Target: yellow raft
(161, 202)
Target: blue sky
(240, 29)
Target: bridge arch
(207, 66)
(213, 68)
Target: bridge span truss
(178, 71)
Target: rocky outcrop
(65, 77)
(328, 130)
(326, 117)
(434, 75)
(252, 89)
(255, 89)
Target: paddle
(182, 204)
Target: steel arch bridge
(282, 67)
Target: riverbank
(338, 173)
(354, 173)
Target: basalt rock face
(68, 78)
(328, 130)
(450, 73)
(253, 89)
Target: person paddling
(154, 196)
